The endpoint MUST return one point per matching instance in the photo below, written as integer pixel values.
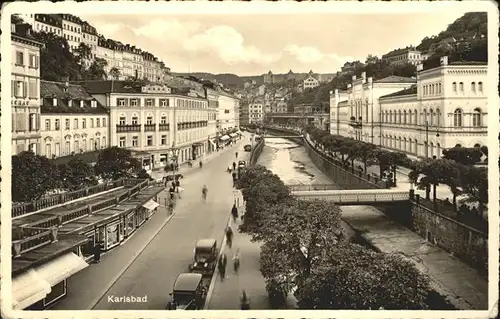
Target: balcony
(128, 128)
(164, 127)
(149, 127)
(190, 125)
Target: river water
(291, 163)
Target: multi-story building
(213, 118)
(73, 121)
(72, 30)
(228, 106)
(90, 38)
(48, 23)
(244, 114)
(364, 107)
(256, 111)
(403, 56)
(154, 119)
(25, 90)
(339, 113)
(310, 82)
(446, 108)
(280, 107)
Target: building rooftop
(64, 93)
(399, 51)
(22, 32)
(410, 91)
(396, 79)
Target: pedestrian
(229, 236)
(234, 212)
(234, 179)
(236, 154)
(201, 164)
(229, 169)
(97, 253)
(172, 167)
(244, 300)
(236, 261)
(234, 166)
(173, 185)
(178, 187)
(222, 266)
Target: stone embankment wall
(466, 243)
(255, 153)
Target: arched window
(454, 85)
(410, 117)
(480, 86)
(439, 88)
(458, 145)
(425, 117)
(477, 145)
(390, 116)
(431, 117)
(399, 117)
(438, 116)
(461, 86)
(425, 89)
(404, 117)
(473, 87)
(457, 118)
(432, 89)
(476, 117)
(415, 119)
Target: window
(149, 120)
(457, 118)
(163, 120)
(48, 150)
(135, 120)
(33, 122)
(57, 125)
(91, 123)
(164, 102)
(135, 140)
(123, 141)
(134, 102)
(98, 122)
(454, 85)
(75, 123)
(480, 86)
(67, 124)
(67, 147)
(84, 123)
(150, 140)
(103, 122)
(19, 58)
(226, 111)
(150, 102)
(461, 86)
(47, 125)
(123, 120)
(473, 87)
(121, 102)
(476, 117)
(19, 89)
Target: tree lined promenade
(305, 252)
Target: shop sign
(18, 102)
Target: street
(154, 271)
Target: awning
(150, 204)
(213, 142)
(61, 268)
(224, 138)
(233, 135)
(27, 289)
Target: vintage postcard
(249, 159)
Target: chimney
(420, 67)
(363, 76)
(354, 78)
(444, 60)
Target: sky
(254, 44)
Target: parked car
(205, 257)
(247, 148)
(242, 164)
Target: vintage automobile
(242, 164)
(171, 177)
(247, 148)
(205, 257)
(190, 291)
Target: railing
(19, 210)
(149, 127)
(128, 128)
(164, 127)
(33, 242)
(311, 187)
(357, 197)
(72, 215)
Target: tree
(76, 175)
(114, 163)
(475, 185)
(96, 70)
(350, 276)
(32, 176)
(436, 171)
(463, 155)
(114, 73)
(82, 52)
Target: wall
(255, 153)
(466, 243)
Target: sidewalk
(84, 295)
(225, 295)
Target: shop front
(151, 207)
(130, 223)
(197, 150)
(224, 140)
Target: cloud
(311, 55)
(222, 41)
(109, 28)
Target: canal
(291, 163)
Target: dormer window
(70, 103)
(13, 28)
(93, 104)
(54, 102)
(82, 104)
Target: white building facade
(72, 121)
(310, 83)
(154, 120)
(339, 113)
(255, 112)
(447, 108)
(228, 107)
(72, 31)
(25, 91)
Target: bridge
(282, 136)
(354, 197)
